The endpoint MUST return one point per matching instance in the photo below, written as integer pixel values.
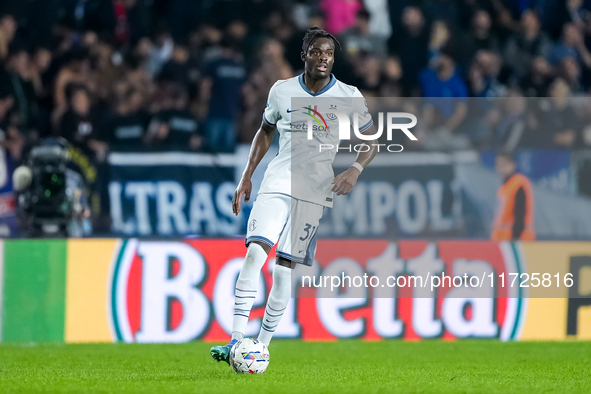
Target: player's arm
(260, 145)
(343, 183)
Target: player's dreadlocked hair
(313, 33)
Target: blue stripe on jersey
(366, 126)
(290, 257)
(311, 251)
(330, 84)
(258, 238)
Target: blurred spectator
(570, 71)
(181, 68)
(237, 31)
(537, 82)
(76, 70)
(571, 44)
(560, 119)
(484, 85)
(104, 73)
(205, 42)
(137, 77)
(443, 81)
(480, 36)
(273, 63)
(484, 73)
(221, 87)
(10, 137)
(126, 129)
(292, 48)
(410, 45)
(18, 80)
(379, 21)
(391, 83)
(158, 51)
(440, 37)
(41, 61)
(271, 67)
(8, 28)
(530, 42)
(175, 127)
(510, 130)
(339, 15)
(359, 39)
(370, 73)
(80, 124)
(444, 116)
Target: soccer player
(287, 210)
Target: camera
(51, 195)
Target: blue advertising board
(172, 193)
(546, 168)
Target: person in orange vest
(514, 216)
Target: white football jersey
(301, 169)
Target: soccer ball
(249, 356)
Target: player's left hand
(345, 181)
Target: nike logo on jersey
(290, 111)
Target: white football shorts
(288, 222)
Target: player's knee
(253, 263)
(263, 245)
(281, 275)
(255, 256)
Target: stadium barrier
(408, 195)
(130, 290)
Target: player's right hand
(244, 188)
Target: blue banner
(404, 196)
(8, 223)
(172, 194)
(549, 169)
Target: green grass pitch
(348, 366)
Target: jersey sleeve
(271, 115)
(359, 106)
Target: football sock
(246, 288)
(277, 302)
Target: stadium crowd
(136, 75)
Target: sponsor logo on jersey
(314, 114)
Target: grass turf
(349, 366)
